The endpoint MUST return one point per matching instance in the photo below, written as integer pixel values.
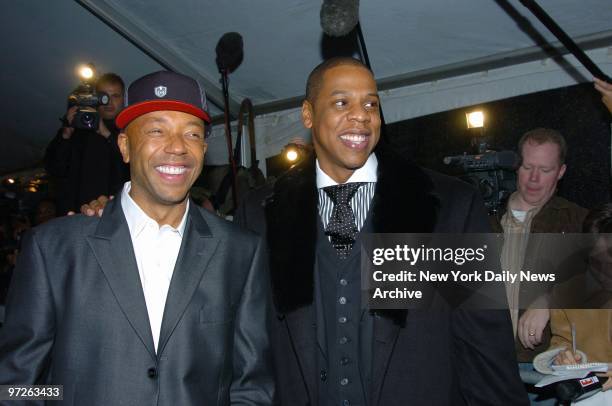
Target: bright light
(291, 155)
(86, 72)
(475, 119)
(10, 180)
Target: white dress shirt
(156, 249)
(360, 203)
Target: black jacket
(449, 357)
(84, 167)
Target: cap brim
(132, 112)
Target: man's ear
(307, 114)
(122, 141)
(562, 171)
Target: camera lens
(87, 119)
(103, 99)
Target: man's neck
(366, 173)
(517, 203)
(337, 175)
(171, 215)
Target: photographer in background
(86, 163)
(534, 208)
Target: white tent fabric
(428, 56)
(275, 130)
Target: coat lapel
(403, 202)
(197, 249)
(112, 247)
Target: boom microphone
(578, 389)
(229, 52)
(339, 17)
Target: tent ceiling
(283, 39)
(408, 43)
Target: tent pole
(565, 39)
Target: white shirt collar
(137, 219)
(367, 173)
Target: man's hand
(96, 207)
(69, 130)
(605, 89)
(608, 385)
(566, 357)
(531, 325)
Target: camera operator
(86, 163)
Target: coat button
(323, 375)
(152, 373)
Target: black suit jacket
(76, 316)
(446, 357)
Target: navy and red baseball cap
(163, 90)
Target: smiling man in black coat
(328, 349)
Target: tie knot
(342, 194)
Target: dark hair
(540, 136)
(599, 220)
(315, 79)
(110, 78)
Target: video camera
(87, 100)
(491, 172)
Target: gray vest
(344, 329)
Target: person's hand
(103, 130)
(95, 207)
(531, 325)
(69, 130)
(566, 357)
(608, 385)
(605, 89)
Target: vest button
(152, 373)
(343, 282)
(342, 320)
(344, 361)
(343, 340)
(323, 375)
(345, 402)
(342, 300)
(344, 381)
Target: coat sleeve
(26, 338)
(483, 341)
(477, 220)
(485, 358)
(253, 382)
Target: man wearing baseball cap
(157, 302)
